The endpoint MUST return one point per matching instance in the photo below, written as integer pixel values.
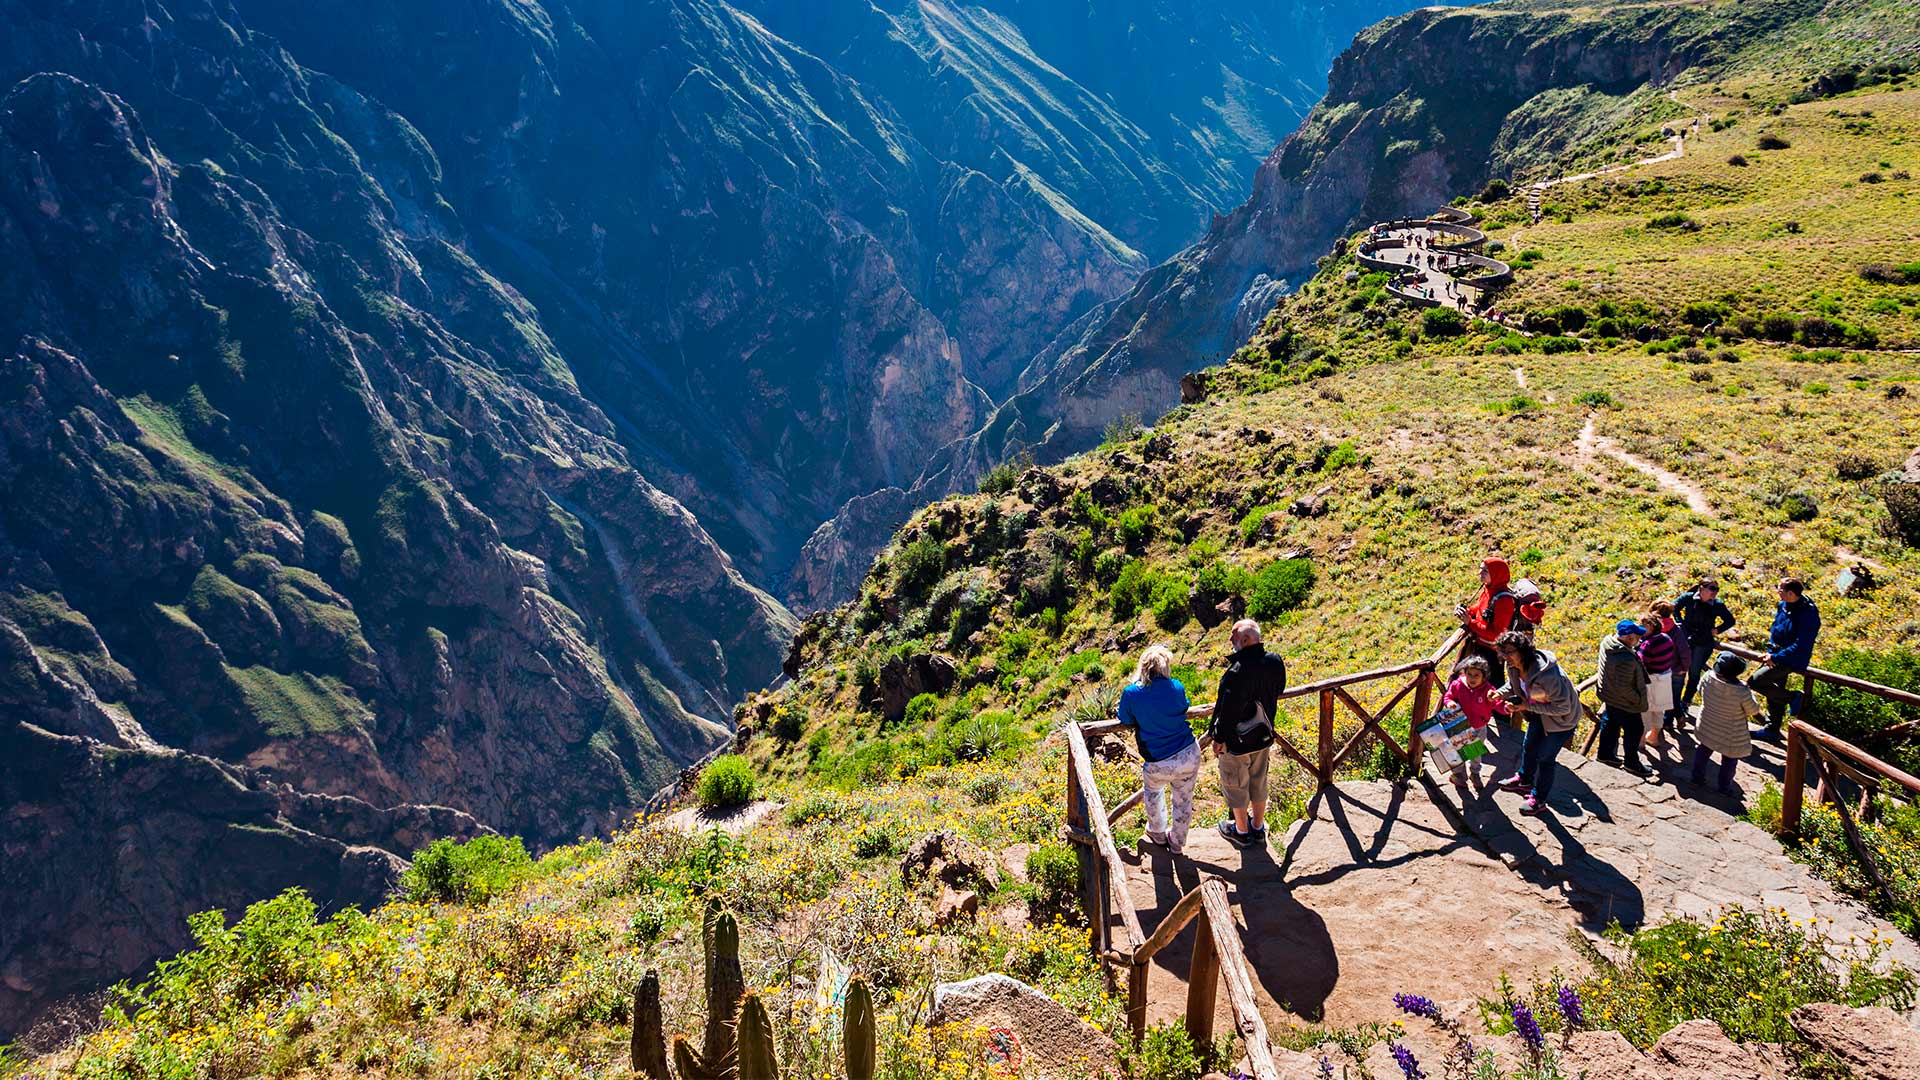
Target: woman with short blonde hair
(1155, 706)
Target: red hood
(1499, 574)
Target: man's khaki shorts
(1243, 777)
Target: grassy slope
(535, 984)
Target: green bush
(1557, 343)
(873, 842)
(919, 565)
(1597, 399)
(650, 918)
(1166, 1053)
(1279, 587)
(1132, 589)
(1673, 220)
(1107, 566)
(920, 711)
(1135, 526)
(1859, 718)
(1342, 456)
(999, 479)
(1054, 872)
(1440, 322)
(1171, 609)
(466, 873)
(1894, 840)
(1217, 581)
(727, 782)
(985, 735)
(1250, 523)
(1745, 970)
(1084, 660)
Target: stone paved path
(1378, 891)
(1620, 848)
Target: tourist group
(1652, 670)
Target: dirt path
(1592, 443)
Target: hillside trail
(1537, 191)
(1592, 444)
(1418, 887)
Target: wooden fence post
(1137, 1000)
(1080, 831)
(1203, 990)
(1325, 759)
(1796, 780)
(1422, 708)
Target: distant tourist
(1473, 692)
(1242, 731)
(1537, 685)
(1661, 656)
(1702, 618)
(1155, 706)
(1796, 623)
(1726, 705)
(1623, 695)
(1490, 614)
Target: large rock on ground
(1699, 1049)
(1025, 1029)
(904, 678)
(1874, 1043)
(950, 859)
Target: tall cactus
(754, 1038)
(857, 1037)
(725, 984)
(649, 1034)
(694, 1065)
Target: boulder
(1159, 447)
(1308, 506)
(1026, 1033)
(955, 905)
(1699, 1049)
(903, 678)
(1875, 1043)
(1194, 386)
(950, 859)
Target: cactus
(857, 1041)
(725, 984)
(649, 1039)
(754, 1037)
(692, 1065)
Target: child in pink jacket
(1472, 692)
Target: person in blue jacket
(1155, 706)
(1796, 623)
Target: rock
(1041, 488)
(955, 906)
(1194, 386)
(1309, 506)
(1699, 1049)
(1607, 1055)
(1157, 448)
(950, 859)
(1025, 1029)
(903, 678)
(1855, 581)
(1875, 1043)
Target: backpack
(1529, 607)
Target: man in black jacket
(1241, 731)
(1702, 618)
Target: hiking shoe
(1514, 784)
(1232, 832)
(1154, 839)
(1257, 837)
(1638, 769)
(1534, 808)
(1605, 760)
(1460, 782)
(1766, 734)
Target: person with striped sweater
(1660, 655)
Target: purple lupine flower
(1407, 1062)
(1572, 1008)
(1326, 1067)
(1529, 1028)
(1415, 1005)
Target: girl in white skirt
(1660, 654)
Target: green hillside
(1748, 332)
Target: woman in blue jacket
(1155, 705)
(1796, 623)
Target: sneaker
(1794, 698)
(1155, 839)
(1534, 808)
(1638, 769)
(1460, 782)
(1232, 832)
(1606, 760)
(1766, 734)
(1514, 783)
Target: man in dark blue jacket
(1796, 623)
(1702, 618)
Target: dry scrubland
(1426, 453)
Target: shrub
(1872, 178)
(1861, 717)
(985, 735)
(649, 919)
(1738, 161)
(1558, 343)
(1903, 512)
(1674, 219)
(1855, 467)
(999, 479)
(1279, 587)
(1340, 457)
(1495, 190)
(987, 788)
(1799, 506)
(1054, 872)
(1132, 589)
(466, 873)
(1778, 326)
(1773, 142)
(1895, 842)
(873, 841)
(1171, 608)
(1107, 566)
(1167, 1052)
(1744, 970)
(1889, 274)
(1217, 580)
(788, 723)
(919, 565)
(726, 783)
(1703, 313)
(920, 711)
(1519, 403)
(1442, 322)
(1135, 525)
(1250, 523)
(1597, 399)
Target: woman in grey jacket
(1537, 686)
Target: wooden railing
(1217, 954)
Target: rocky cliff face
(409, 412)
(1421, 108)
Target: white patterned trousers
(1171, 780)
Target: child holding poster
(1472, 692)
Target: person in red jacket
(1490, 615)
